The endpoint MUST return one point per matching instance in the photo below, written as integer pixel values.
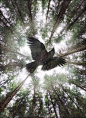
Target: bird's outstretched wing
(37, 48)
(52, 63)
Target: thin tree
(72, 23)
(83, 47)
(7, 48)
(53, 105)
(5, 24)
(62, 103)
(4, 102)
(78, 85)
(64, 90)
(4, 17)
(77, 9)
(60, 17)
(19, 11)
(29, 3)
(77, 63)
(48, 9)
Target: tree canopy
(60, 92)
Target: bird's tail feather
(31, 66)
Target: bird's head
(52, 52)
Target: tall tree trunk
(10, 65)
(78, 86)
(64, 90)
(82, 72)
(49, 111)
(71, 24)
(29, 3)
(33, 104)
(64, 106)
(11, 95)
(14, 7)
(80, 100)
(77, 63)
(53, 105)
(77, 44)
(48, 105)
(40, 107)
(75, 11)
(9, 28)
(29, 9)
(48, 9)
(7, 48)
(4, 17)
(83, 47)
(60, 17)
(19, 11)
(82, 31)
(6, 26)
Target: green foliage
(44, 4)
(57, 40)
(59, 91)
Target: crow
(42, 57)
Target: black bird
(42, 57)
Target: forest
(59, 92)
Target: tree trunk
(6, 26)
(64, 90)
(48, 9)
(82, 30)
(80, 100)
(13, 6)
(29, 9)
(47, 104)
(33, 104)
(40, 107)
(4, 17)
(77, 63)
(60, 17)
(19, 11)
(29, 2)
(49, 111)
(75, 11)
(64, 106)
(9, 49)
(83, 47)
(78, 86)
(82, 72)
(53, 105)
(11, 95)
(71, 24)
(10, 65)
(77, 44)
